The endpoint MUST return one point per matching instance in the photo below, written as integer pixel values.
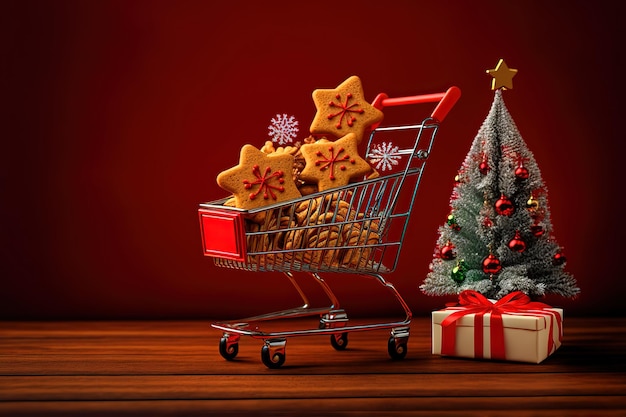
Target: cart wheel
(397, 350)
(227, 351)
(274, 361)
(339, 341)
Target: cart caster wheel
(339, 341)
(272, 361)
(397, 350)
(228, 351)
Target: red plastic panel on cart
(223, 234)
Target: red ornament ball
(491, 265)
(504, 206)
(517, 244)
(537, 230)
(521, 172)
(447, 252)
(483, 167)
(487, 222)
(558, 258)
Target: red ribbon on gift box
(472, 302)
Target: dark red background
(118, 115)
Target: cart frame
(295, 236)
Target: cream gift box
(498, 332)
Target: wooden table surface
(156, 368)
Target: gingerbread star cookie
(333, 164)
(259, 179)
(343, 110)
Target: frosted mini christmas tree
(498, 237)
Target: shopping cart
(356, 229)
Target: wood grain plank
(306, 386)
(578, 406)
(299, 361)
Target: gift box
(513, 328)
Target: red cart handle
(446, 101)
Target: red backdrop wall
(118, 115)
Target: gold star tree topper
(502, 76)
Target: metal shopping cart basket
(356, 229)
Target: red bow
(472, 302)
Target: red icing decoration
(346, 108)
(330, 161)
(263, 182)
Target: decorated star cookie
(259, 179)
(344, 110)
(333, 164)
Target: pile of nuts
(324, 230)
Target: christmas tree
(498, 237)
